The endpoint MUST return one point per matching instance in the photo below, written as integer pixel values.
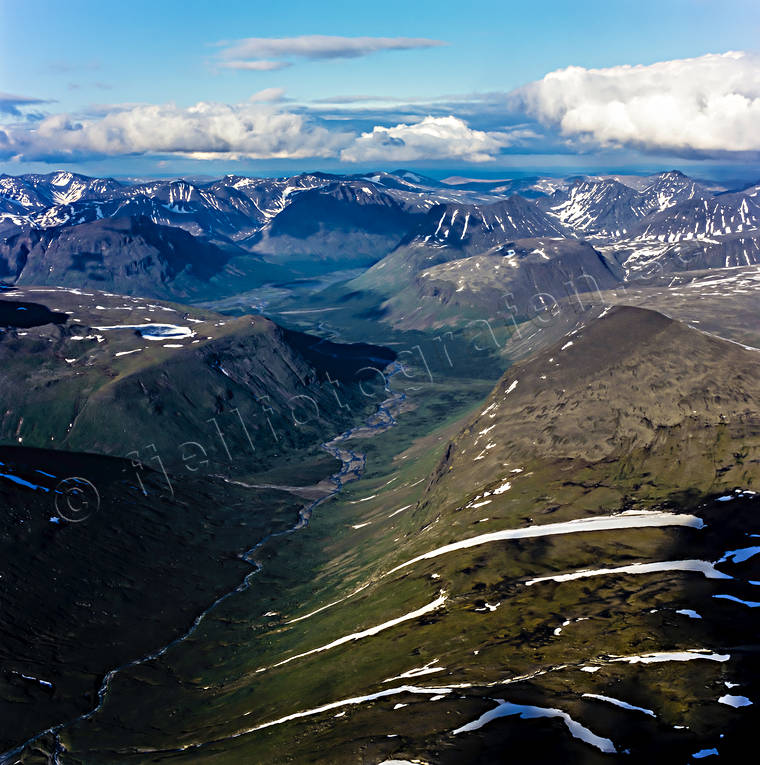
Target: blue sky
(91, 60)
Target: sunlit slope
(636, 388)
(563, 598)
(423, 285)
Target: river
(352, 467)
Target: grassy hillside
(564, 583)
(125, 375)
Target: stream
(352, 467)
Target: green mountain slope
(128, 377)
(563, 598)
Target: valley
(386, 469)
(449, 592)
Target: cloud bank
(706, 105)
(251, 130)
(256, 129)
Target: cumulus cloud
(257, 52)
(430, 138)
(263, 127)
(253, 130)
(706, 105)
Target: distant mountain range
(198, 241)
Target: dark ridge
(98, 468)
(341, 361)
(24, 315)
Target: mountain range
(410, 246)
(561, 569)
(378, 468)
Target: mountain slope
(127, 255)
(124, 375)
(607, 207)
(703, 219)
(451, 232)
(597, 207)
(476, 228)
(633, 381)
(671, 188)
(560, 601)
(721, 232)
(143, 560)
(520, 279)
(352, 224)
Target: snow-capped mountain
(269, 196)
(482, 227)
(602, 208)
(703, 219)
(452, 232)
(36, 192)
(717, 232)
(399, 221)
(610, 208)
(351, 221)
(668, 189)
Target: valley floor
(392, 639)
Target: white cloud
(206, 130)
(268, 95)
(430, 138)
(260, 128)
(255, 66)
(319, 46)
(709, 104)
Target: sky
(483, 88)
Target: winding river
(352, 467)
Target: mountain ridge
(616, 399)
